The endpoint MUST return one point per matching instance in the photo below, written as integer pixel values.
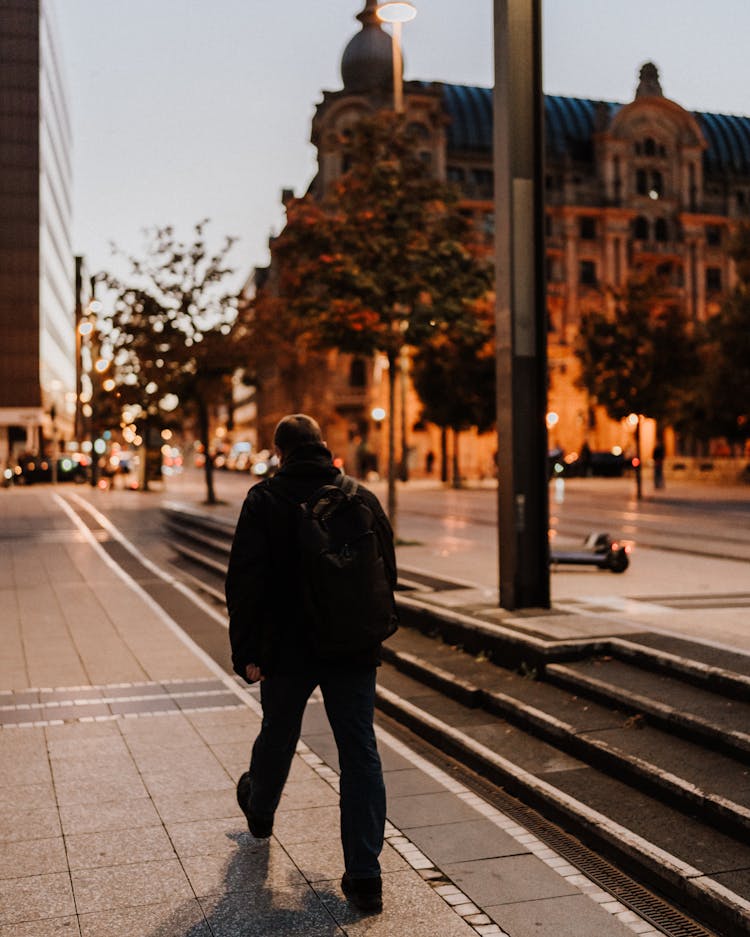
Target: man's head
(294, 431)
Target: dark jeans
(349, 698)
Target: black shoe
(260, 827)
(364, 893)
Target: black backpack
(347, 594)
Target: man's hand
(253, 674)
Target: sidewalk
(120, 745)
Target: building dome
(367, 62)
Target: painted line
(167, 620)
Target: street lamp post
(521, 336)
(397, 12)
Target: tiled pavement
(120, 745)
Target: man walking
(273, 641)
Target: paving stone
(35, 897)
(88, 750)
(22, 795)
(410, 906)
(462, 841)
(118, 847)
(23, 822)
(324, 745)
(52, 927)
(132, 813)
(303, 826)
(133, 885)
(209, 837)
(76, 731)
(406, 781)
(425, 809)
(32, 857)
(199, 805)
(514, 878)
(321, 861)
(154, 920)
(572, 916)
(289, 912)
(301, 794)
(119, 767)
(185, 779)
(98, 791)
(252, 866)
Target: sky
(192, 109)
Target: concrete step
(695, 713)
(705, 783)
(697, 866)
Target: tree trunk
(443, 454)
(638, 481)
(456, 469)
(392, 507)
(208, 462)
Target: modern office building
(646, 182)
(37, 337)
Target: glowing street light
(397, 12)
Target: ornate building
(647, 182)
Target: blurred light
(221, 431)
(338, 462)
(552, 419)
(101, 365)
(86, 445)
(653, 194)
(86, 328)
(260, 468)
(396, 11)
(8, 473)
(633, 419)
(137, 440)
(31, 466)
(166, 434)
(169, 402)
(107, 434)
(95, 305)
(109, 384)
(616, 450)
(87, 410)
(559, 467)
(152, 387)
(100, 446)
(636, 462)
(102, 483)
(18, 470)
(166, 449)
(378, 414)
(44, 466)
(66, 465)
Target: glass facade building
(37, 336)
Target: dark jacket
(267, 620)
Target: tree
(381, 257)
(727, 377)
(454, 374)
(175, 336)
(640, 356)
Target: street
(690, 562)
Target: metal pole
(521, 334)
(398, 74)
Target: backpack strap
(347, 484)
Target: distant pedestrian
(279, 637)
(658, 457)
(429, 462)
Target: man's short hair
(294, 431)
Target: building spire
(649, 85)
(367, 62)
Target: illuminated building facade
(643, 183)
(37, 351)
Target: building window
(641, 229)
(357, 373)
(661, 230)
(713, 235)
(488, 224)
(741, 199)
(657, 185)
(587, 228)
(587, 273)
(713, 279)
(483, 182)
(641, 182)
(456, 174)
(548, 229)
(649, 147)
